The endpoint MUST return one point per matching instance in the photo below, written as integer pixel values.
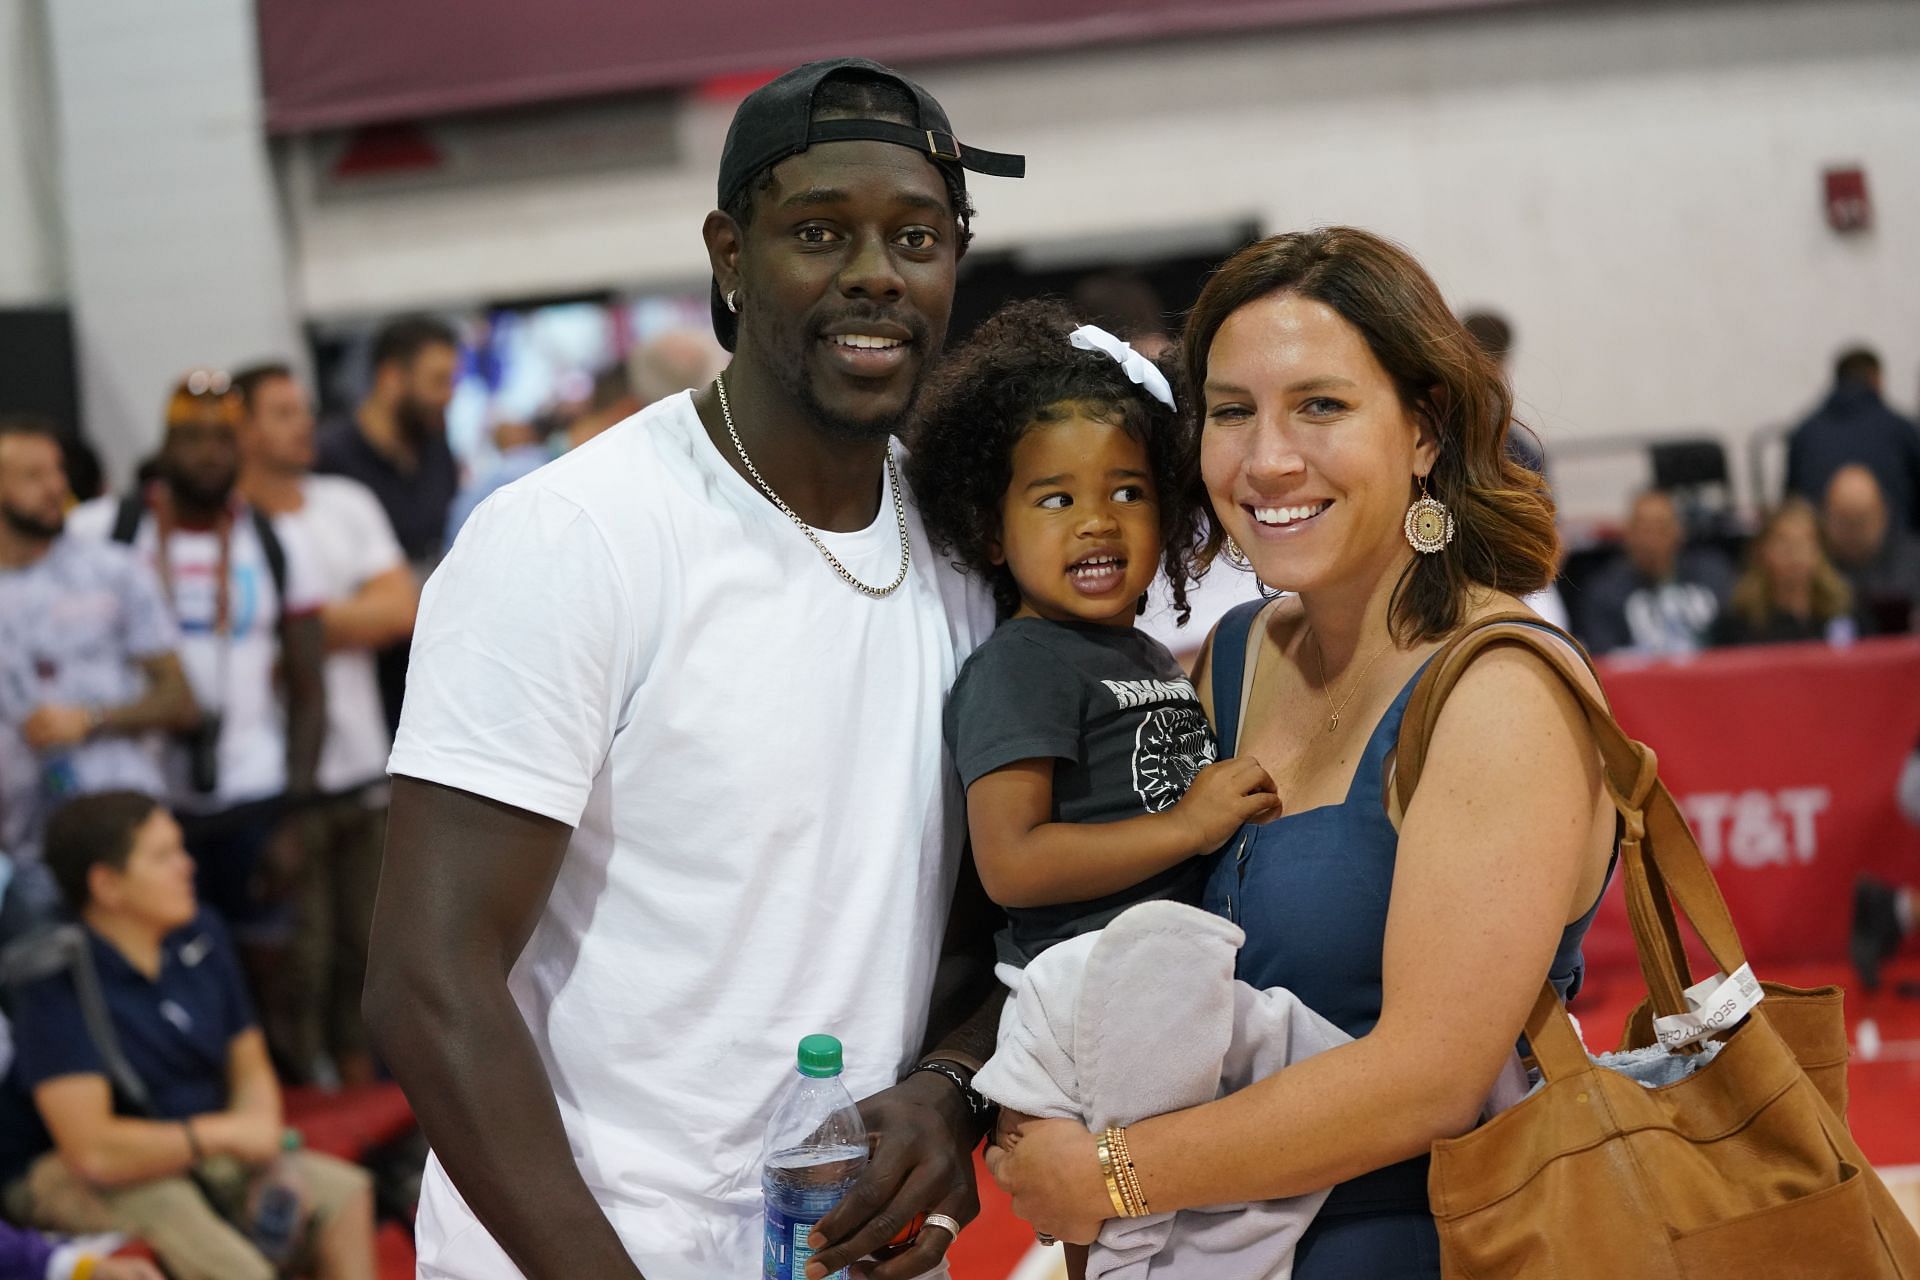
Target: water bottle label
(801, 1187)
(787, 1249)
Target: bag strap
(1232, 639)
(1661, 863)
(126, 516)
(99, 1020)
(276, 553)
(64, 949)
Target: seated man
(1660, 596)
(179, 1172)
(1879, 559)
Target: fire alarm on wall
(1848, 208)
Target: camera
(203, 753)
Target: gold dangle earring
(1429, 524)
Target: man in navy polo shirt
(179, 1011)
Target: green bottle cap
(819, 1057)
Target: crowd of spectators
(1836, 559)
(198, 682)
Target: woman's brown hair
(1752, 598)
(1505, 537)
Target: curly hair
(1015, 372)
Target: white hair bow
(1142, 371)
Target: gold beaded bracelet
(1129, 1177)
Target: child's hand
(1223, 797)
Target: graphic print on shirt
(1171, 747)
(1142, 693)
(197, 599)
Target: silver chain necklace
(893, 488)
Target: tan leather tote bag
(1743, 1168)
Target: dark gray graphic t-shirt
(1123, 725)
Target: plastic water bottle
(279, 1202)
(816, 1148)
(58, 777)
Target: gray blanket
(1145, 1017)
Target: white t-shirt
(343, 527)
(634, 642)
(233, 676)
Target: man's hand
(922, 1136)
(126, 1269)
(55, 725)
(251, 1139)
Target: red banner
(1785, 760)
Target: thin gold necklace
(893, 488)
(1320, 658)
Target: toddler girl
(1049, 464)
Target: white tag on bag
(1715, 1004)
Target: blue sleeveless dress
(1311, 889)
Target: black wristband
(979, 1106)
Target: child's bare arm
(1026, 860)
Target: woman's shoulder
(1517, 676)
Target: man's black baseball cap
(776, 121)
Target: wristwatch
(982, 1108)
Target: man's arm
(378, 614)
(924, 1131)
(166, 703)
(302, 648)
(464, 882)
(105, 1149)
(253, 1094)
(112, 1150)
(965, 1014)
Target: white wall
(1636, 186)
(174, 249)
(31, 269)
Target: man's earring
(733, 304)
